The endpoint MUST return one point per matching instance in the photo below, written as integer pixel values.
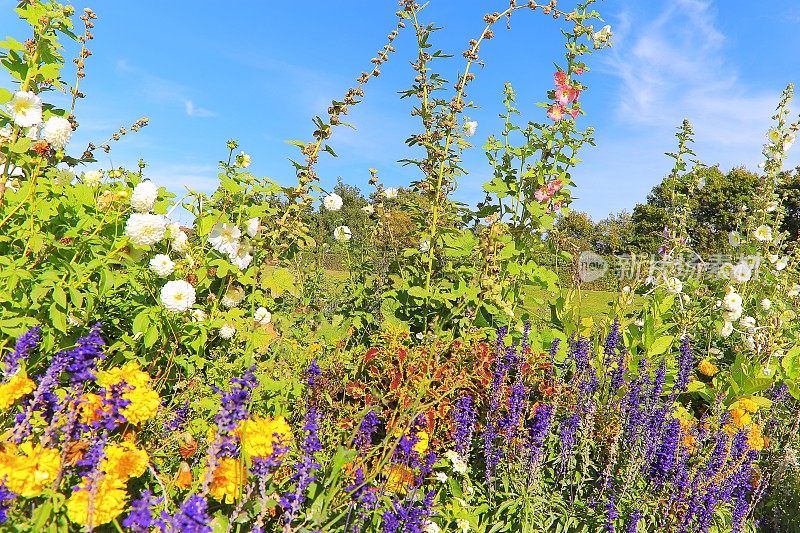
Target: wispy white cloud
(164, 90)
(199, 112)
(675, 65)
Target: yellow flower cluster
(707, 368)
(399, 478)
(15, 388)
(741, 412)
(144, 400)
(121, 462)
(261, 435)
(29, 469)
(108, 500)
(227, 480)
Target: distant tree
(575, 232)
(714, 209)
(614, 233)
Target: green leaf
(60, 297)
(58, 318)
(660, 345)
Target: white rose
(262, 317)
(748, 323)
(441, 477)
(332, 202)
(781, 264)
(243, 159)
(57, 131)
(227, 331)
(368, 209)
(732, 315)
(766, 304)
(162, 265)
(430, 527)
(732, 301)
(144, 196)
(177, 296)
(198, 315)
(144, 229)
(727, 329)
(391, 192)
(342, 234)
(25, 109)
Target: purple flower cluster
(141, 518)
(26, 345)
(304, 471)
(235, 402)
(178, 419)
(408, 516)
(82, 360)
(192, 517)
(6, 499)
(369, 425)
(465, 416)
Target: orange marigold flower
(29, 469)
(15, 388)
(755, 439)
(707, 368)
(227, 480)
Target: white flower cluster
(25, 109)
(177, 296)
(144, 196)
(342, 234)
(226, 238)
(332, 202)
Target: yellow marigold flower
(707, 368)
(90, 407)
(124, 461)
(131, 373)
(740, 417)
(227, 480)
(748, 405)
(144, 405)
(144, 400)
(399, 478)
(422, 445)
(261, 435)
(107, 502)
(29, 470)
(15, 388)
(755, 439)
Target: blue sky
(258, 70)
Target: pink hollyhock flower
(556, 112)
(575, 111)
(579, 70)
(554, 186)
(566, 95)
(560, 77)
(541, 195)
